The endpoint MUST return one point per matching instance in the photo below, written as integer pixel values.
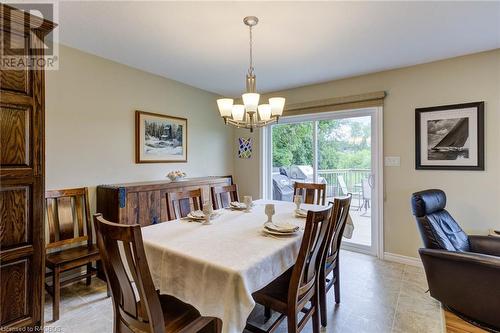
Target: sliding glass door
(335, 149)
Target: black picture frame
(479, 166)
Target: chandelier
(250, 114)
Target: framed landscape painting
(160, 138)
(450, 137)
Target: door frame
(265, 170)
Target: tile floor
(377, 296)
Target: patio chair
(343, 187)
(366, 190)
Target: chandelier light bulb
(251, 101)
(238, 111)
(265, 112)
(277, 105)
(225, 106)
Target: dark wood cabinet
(22, 248)
(146, 203)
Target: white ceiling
(205, 44)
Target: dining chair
(223, 195)
(331, 262)
(180, 204)
(291, 292)
(141, 307)
(310, 192)
(69, 244)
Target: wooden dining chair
(141, 308)
(291, 292)
(179, 204)
(332, 255)
(69, 226)
(223, 195)
(310, 192)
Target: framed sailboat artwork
(450, 137)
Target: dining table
(217, 267)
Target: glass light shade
(251, 101)
(265, 111)
(225, 106)
(277, 105)
(238, 111)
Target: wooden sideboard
(145, 203)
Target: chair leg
(267, 313)
(292, 322)
(89, 270)
(56, 297)
(315, 316)
(322, 298)
(336, 284)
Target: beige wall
(473, 196)
(90, 104)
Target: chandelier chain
(251, 69)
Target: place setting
(277, 229)
(246, 205)
(205, 216)
(301, 213)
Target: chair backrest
(366, 189)
(146, 315)
(312, 193)
(180, 204)
(437, 227)
(68, 217)
(223, 195)
(339, 218)
(304, 274)
(342, 184)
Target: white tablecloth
(217, 267)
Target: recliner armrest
(485, 245)
(462, 257)
(466, 282)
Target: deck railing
(352, 178)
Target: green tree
(342, 144)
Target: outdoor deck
(362, 226)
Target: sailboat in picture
(455, 144)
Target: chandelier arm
(258, 124)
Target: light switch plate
(392, 161)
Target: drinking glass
(208, 211)
(297, 199)
(247, 200)
(269, 210)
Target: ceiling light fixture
(250, 114)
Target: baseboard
(412, 261)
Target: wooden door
(22, 250)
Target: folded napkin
(301, 212)
(236, 204)
(282, 227)
(197, 214)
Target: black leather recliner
(463, 272)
